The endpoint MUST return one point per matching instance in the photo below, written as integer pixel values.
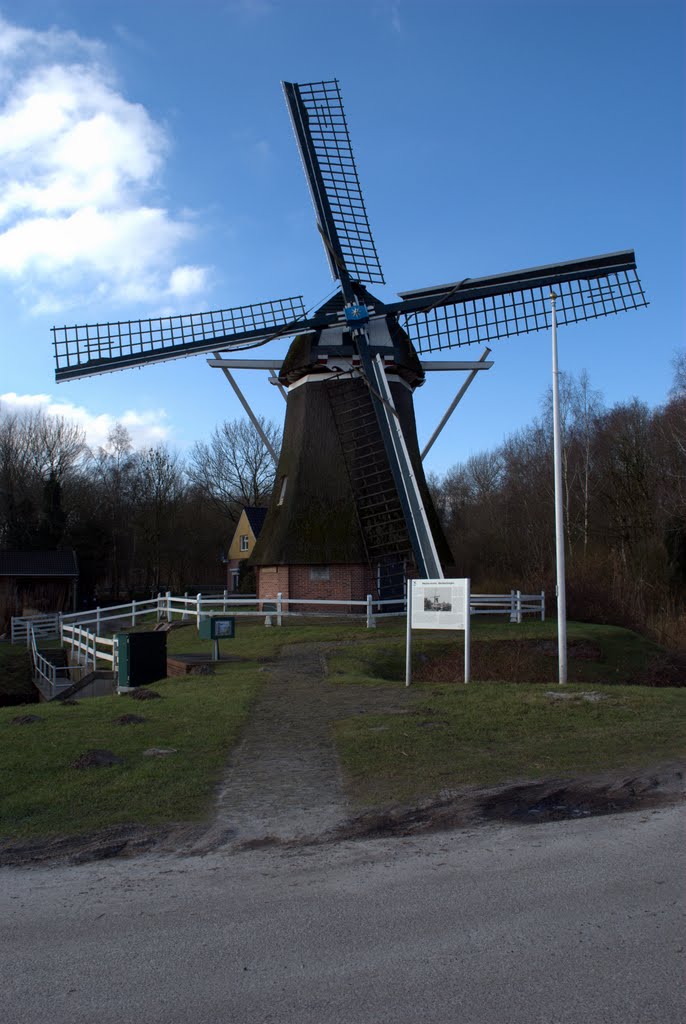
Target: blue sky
(148, 166)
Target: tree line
(624, 495)
(141, 520)
(148, 520)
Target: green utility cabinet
(142, 658)
(217, 627)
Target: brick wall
(272, 580)
(345, 583)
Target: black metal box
(142, 658)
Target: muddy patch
(526, 802)
(97, 759)
(104, 844)
(553, 802)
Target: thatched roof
(316, 523)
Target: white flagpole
(559, 512)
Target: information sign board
(438, 604)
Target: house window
(244, 542)
(282, 492)
(319, 572)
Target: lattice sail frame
(472, 311)
(86, 348)
(486, 317)
(322, 135)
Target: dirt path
(283, 781)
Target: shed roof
(38, 563)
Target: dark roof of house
(256, 517)
(38, 563)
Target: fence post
(97, 620)
(198, 609)
(159, 598)
(169, 606)
(519, 606)
(133, 614)
(370, 613)
(226, 594)
(543, 606)
(513, 617)
(185, 607)
(279, 608)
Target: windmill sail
(97, 348)
(487, 308)
(321, 132)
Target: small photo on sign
(436, 602)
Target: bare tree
(39, 454)
(678, 388)
(158, 492)
(234, 469)
(112, 473)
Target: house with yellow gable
(247, 531)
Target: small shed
(37, 581)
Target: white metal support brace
(453, 405)
(253, 418)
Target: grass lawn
(488, 732)
(43, 795)
(449, 734)
(199, 716)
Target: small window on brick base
(319, 572)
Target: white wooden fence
(515, 604)
(167, 607)
(86, 648)
(45, 626)
(90, 648)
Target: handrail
(46, 675)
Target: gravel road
(564, 923)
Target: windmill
(351, 512)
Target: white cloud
(186, 281)
(147, 427)
(78, 164)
